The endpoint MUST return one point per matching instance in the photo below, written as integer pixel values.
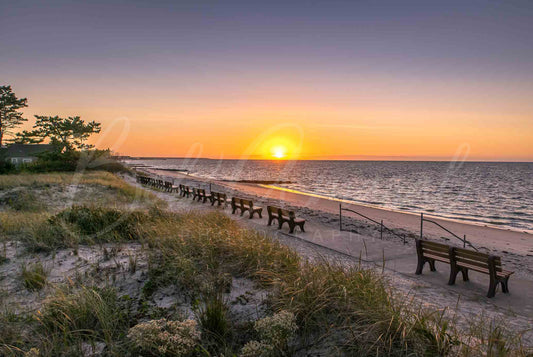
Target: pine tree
(10, 117)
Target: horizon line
(392, 158)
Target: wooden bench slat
(439, 254)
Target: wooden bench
(429, 252)
(245, 205)
(203, 196)
(169, 187)
(285, 216)
(272, 214)
(186, 191)
(464, 260)
(195, 193)
(290, 218)
(461, 261)
(248, 205)
(218, 197)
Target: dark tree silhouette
(66, 134)
(10, 117)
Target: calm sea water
(497, 194)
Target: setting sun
(279, 152)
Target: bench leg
(291, 227)
(453, 275)
(420, 266)
(505, 285)
(432, 265)
(302, 227)
(252, 214)
(233, 209)
(260, 214)
(492, 288)
(464, 271)
(270, 219)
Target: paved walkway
(397, 258)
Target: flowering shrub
(277, 329)
(165, 338)
(256, 349)
(275, 332)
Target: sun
(279, 152)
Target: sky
(416, 80)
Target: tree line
(65, 134)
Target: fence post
(340, 216)
(381, 230)
(421, 224)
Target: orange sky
(314, 131)
(238, 79)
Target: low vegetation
(320, 306)
(34, 277)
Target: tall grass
(90, 314)
(94, 178)
(351, 308)
(34, 276)
(90, 225)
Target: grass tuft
(34, 276)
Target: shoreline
(429, 214)
(492, 238)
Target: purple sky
(470, 60)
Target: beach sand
(501, 240)
(359, 243)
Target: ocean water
(494, 194)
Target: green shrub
(88, 225)
(6, 167)
(53, 161)
(23, 200)
(34, 277)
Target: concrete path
(400, 259)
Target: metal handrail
(382, 226)
(465, 242)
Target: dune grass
(351, 310)
(34, 276)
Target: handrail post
(421, 224)
(340, 216)
(381, 230)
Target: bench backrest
(247, 203)
(221, 196)
(477, 259)
(201, 192)
(433, 248)
(286, 213)
(272, 209)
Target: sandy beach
(359, 243)
(503, 241)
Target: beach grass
(348, 309)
